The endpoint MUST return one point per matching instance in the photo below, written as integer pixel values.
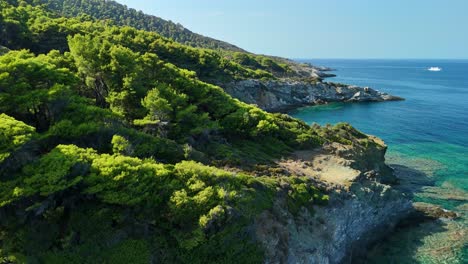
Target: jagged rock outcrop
(284, 95)
(3, 50)
(361, 210)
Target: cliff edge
(363, 206)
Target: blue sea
(427, 132)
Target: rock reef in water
(363, 206)
(286, 94)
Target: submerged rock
(284, 95)
(431, 211)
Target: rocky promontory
(363, 208)
(280, 95)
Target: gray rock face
(3, 50)
(335, 233)
(283, 95)
(361, 211)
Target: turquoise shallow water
(427, 132)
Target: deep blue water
(428, 131)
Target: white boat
(435, 69)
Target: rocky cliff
(279, 95)
(362, 208)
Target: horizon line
(357, 58)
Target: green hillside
(115, 146)
(124, 16)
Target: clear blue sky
(326, 28)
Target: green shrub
(120, 145)
(13, 134)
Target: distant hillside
(121, 15)
(124, 16)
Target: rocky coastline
(364, 207)
(369, 200)
(284, 95)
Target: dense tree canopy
(32, 87)
(124, 16)
(110, 138)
